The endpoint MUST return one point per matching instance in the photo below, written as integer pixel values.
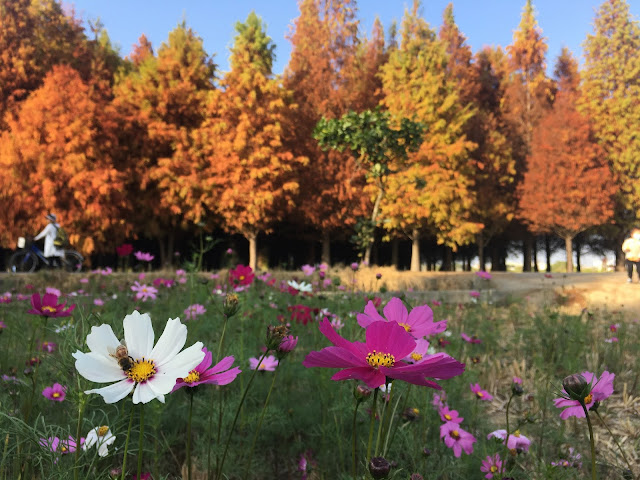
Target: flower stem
(591, 440)
(78, 433)
(189, 436)
(235, 418)
(383, 420)
(372, 422)
(140, 438)
(126, 446)
(615, 440)
(353, 447)
(506, 440)
(264, 409)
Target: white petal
(98, 368)
(114, 392)
(92, 437)
(164, 381)
(143, 393)
(102, 339)
(170, 342)
(138, 333)
(103, 450)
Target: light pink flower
(457, 439)
(480, 393)
(469, 339)
(517, 441)
(143, 256)
(269, 364)
(98, 302)
(492, 465)
(53, 291)
(484, 275)
(143, 292)
(194, 311)
(447, 415)
(308, 270)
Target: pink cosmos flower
(143, 256)
(194, 311)
(517, 441)
(418, 323)
(229, 251)
(181, 272)
(611, 340)
(269, 364)
(5, 297)
(480, 393)
(48, 347)
(447, 415)
(48, 306)
(601, 389)
(57, 392)
(98, 302)
(474, 294)
(439, 400)
(241, 276)
(492, 465)
(287, 344)
(220, 374)
(336, 323)
(517, 380)
(143, 292)
(308, 270)
(53, 291)
(354, 266)
(613, 327)
(484, 275)
(422, 346)
(387, 343)
(2, 326)
(469, 339)
(306, 464)
(56, 444)
(457, 439)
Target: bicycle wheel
(23, 261)
(72, 261)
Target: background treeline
(162, 146)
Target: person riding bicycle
(50, 234)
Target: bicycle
(29, 257)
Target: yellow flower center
(48, 309)
(517, 433)
(455, 434)
(416, 357)
(447, 416)
(415, 410)
(102, 431)
(142, 370)
(63, 449)
(588, 399)
(55, 395)
(405, 326)
(513, 451)
(144, 289)
(241, 277)
(493, 469)
(192, 377)
(376, 359)
(480, 394)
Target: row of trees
(161, 143)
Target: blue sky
(484, 22)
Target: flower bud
(379, 467)
(378, 276)
(286, 346)
(275, 336)
(517, 389)
(361, 393)
(576, 387)
(231, 305)
(410, 414)
(426, 452)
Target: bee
(121, 354)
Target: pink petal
(395, 311)
(372, 377)
(391, 338)
(334, 357)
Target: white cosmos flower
(301, 287)
(102, 438)
(154, 369)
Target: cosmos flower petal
(328, 331)
(97, 367)
(170, 342)
(102, 339)
(221, 366)
(114, 392)
(395, 311)
(179, 367)
(372, 377)
(223, 378)
(389, 337)
(333, 357)
(143, 393)
(138, 333)
(369, 316)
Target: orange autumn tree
(321, 73)
(568, 186)
(55, 156)
(251, 170)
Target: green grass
(308, 412)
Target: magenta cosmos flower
(380, 357)
(194, 311)
(220, 374)
(268, 364)
(48, 306)
(447, 415)
(457, 439)
(484, 275)
(601, 388)
(241, 276)
(480, 393)
(65, 445)
(469, 339)
(491, 466)
(57, 392)
(143, 256)
(517, 441)
(418, 323)
(143, 292)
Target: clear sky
(484, 22)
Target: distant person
(52, 238)
(631, 249)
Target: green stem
(235, 418)
(126, 446)
(615, 440)
(506, 440)
(593, 443)
(372, 423)
(189, 435)
(404, 407)
(383, 420)
(140, 438)
(78, 433)
(390, 423)
(264, 409)
(353, 447)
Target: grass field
(307, 427)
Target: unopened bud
(275, 335)
(115, 472)
(286, 346)
(231, 305)
(426, 452)
(378, 276)
(28, 371)
(410, 414)
(379, 467)
(576, 387)
(361, 393)
(517, 389)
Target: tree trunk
(163, 250)
(568, 246)
(395, 252)
(415, 251)
(620, 265)
(253, 249)
(547, 251)
(447, 261)
(326, 248)
(480, 241)
(526, 253)
(535, 254)
(578, 248)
